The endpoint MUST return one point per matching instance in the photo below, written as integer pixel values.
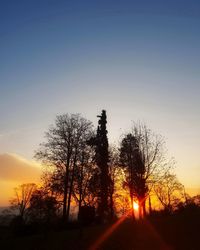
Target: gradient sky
(139, 60)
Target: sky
(139, 60)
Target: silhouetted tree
(43, 207)
(169, 191)
(196, 199)
(83, 174)
(128, 161)
(62, 150)
(144, 161)
(100, 142)
(21, 201)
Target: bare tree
(83, 173)
(115, 176)
(169, 192)
(62, 150)
(23, 194)
(143, 157)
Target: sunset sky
(139, 60)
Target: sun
(135, 206)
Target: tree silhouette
(143, 159)
(128, 161)
(83, 173)
(23, 194)
(62, 151)
(100, 142)
(169, 191)
(43, 208)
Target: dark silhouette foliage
(86, 215)
(43, 208)
(100, 142)
(132, 162)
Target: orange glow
(15, 170)
(135, 206)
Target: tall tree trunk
(144, 207)
(69, 201)
(66, 181)
(140, 208)
(80, 193)
(79, 207)
(65, 202)
(71, 189)
(65, 193)
(150, 208)
(69, 197)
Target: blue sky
(137, 59)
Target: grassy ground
(166, 232)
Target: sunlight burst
(135, 206)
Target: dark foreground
(161, 232)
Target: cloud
(15, 170)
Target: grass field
(180, 231)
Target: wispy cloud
(16, 168)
